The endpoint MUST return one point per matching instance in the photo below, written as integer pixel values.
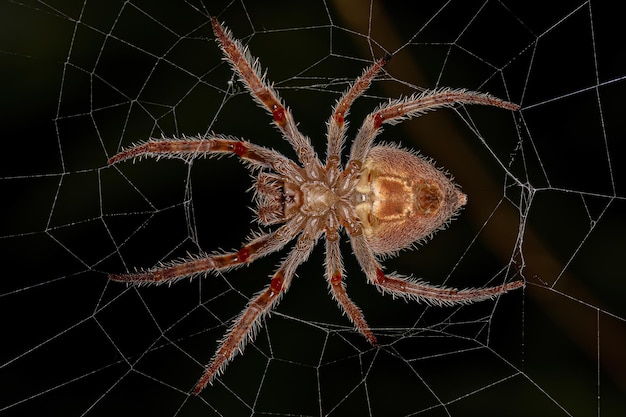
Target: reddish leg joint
(276, 285)
(378, 120)
(380, 276)
(243, 254)
(240, 149)
(278, 112)
(336, 278)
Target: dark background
(546, 203)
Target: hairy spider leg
(197, 264)
(334, 276)
(250, 74)
(419, 291)
(337, 122)
(416, 105)
(195, 147)
(245, 327)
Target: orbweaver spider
(386, 199)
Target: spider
(386, 198)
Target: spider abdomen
(402, 198)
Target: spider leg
(197, 264)
(194, 147)
(249, 71)
(336, 123)
(334, 276)
(248, 323)
(416, 105)
(419, 291)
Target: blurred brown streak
(464, 163)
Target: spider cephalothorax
(385, 198)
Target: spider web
(546, 201)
